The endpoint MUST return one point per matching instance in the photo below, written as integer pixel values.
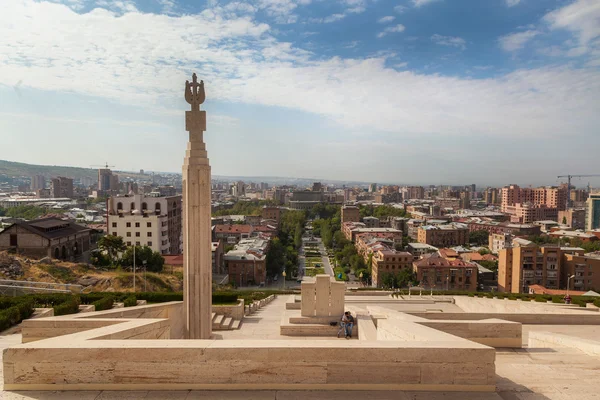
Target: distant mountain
(20, 170)
(17, 170)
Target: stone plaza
(411, 347)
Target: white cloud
(143, 59)
(512, 3)
(451, 41)
(516, 41)
(581, 17)
(400, 9)
(386, 19)
(419, 3)
(391, 29)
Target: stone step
(225, 324)
(312, 330)
(213, 316)
(216, 323)
(236, 324)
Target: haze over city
(420, 91)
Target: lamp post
(144, 264)
(283, 274)
(361, 279)
(447, 283)
(568, 283)
(134, 267)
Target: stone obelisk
(197, 261)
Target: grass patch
(339, 270)
(158, 282)
(63, 274)
(315, 271)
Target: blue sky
(410, 91)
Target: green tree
(479, 238)
(154, 261)
(112, 246)
(275, 259)
(405, 277)
(564, 221)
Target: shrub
(540, 299)
(21, 308)
(159, 297)
(130, 301)
(105, 303)
(68, 307)
(471, 295)
(224, 298)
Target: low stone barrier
(43, 313)
(258, 304)
(539, 339)
(233, 311)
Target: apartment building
(592, 212)
(529, 264)
(453, 234)
(477, 224)
(551, 197)
(574, 217)
(246, 263)
(350, 214)
(371, 222)
(147, 221)
(61, 187)
(273, 213)
(388, 261)
(351, 229)
(438, 273)
(585, 269)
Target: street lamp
(283, 274)
(568, 282)
(134, 267)
(144, 264)
(447, 283)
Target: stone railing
(258, 304)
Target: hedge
(14, 312)
(130, 301)
(105, 303)
(68, 307)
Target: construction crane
(106, 166)
(569, 203)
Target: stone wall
(235, 312)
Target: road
(326, 266)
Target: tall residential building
(592, 212)
(490, 196)
(350, 214)
(551, 197)
(526, 213)
(372, 187)
(440, 273)
(528, 264)
(317, 187)
(104, 179)
(38, 182)
(465, 200)
(147, 221)
(414, 192)
(61, 187)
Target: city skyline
(419, 91)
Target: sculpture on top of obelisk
(194, 93)
(197, 252)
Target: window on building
(137, 234)
(114, 224)
(144, 206)
(137, 224)
(128, 225)
(149, 244)
(149, 224)
(128, 234)
(137, 243)
(119, 206)
(157, 208)
(114, 233)
(13, 240)
(149, 234)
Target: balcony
(527, 274)
(552, 274)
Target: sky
(408, 91)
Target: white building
(147, 221)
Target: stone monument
(197, 278)
(322, 298)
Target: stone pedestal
(197, 280)
(323, 298)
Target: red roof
(173, 259)
(539, 289)
(235, 228)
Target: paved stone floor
(522, 374)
